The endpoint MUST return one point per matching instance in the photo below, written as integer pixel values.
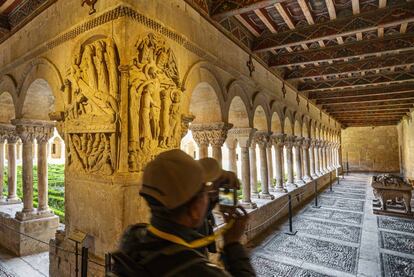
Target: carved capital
(298, 141)
(185, 123)
(261, 138)
(214, 133)
(6, 130)
(290, 141)
(28, 130)
(243, 135)
(278, 140)
(306, 143)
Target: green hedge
(56, 190)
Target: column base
(291, 186)
(299, 182)
(248, 205)
(42, 229)
(10, 201)
(307, 179)
(255, 195)
(280, 189)
(266, 196)
(35, 214)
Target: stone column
(289, 141)
(297, 162)
(2, 140)
(27, 137)
(270, 164)
(317, 161)
(262, 139)
(320, 157)
(12, 170)
(312, 159)
(231, 144)
(278, 142)
(253, 169)
(42, 137)
(324, 157)
(244, 136)
(201, 139)
(306, 160)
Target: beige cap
(174, 177)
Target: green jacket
(168, 259)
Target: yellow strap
(194, 244)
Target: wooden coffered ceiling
(352, 58)
(14, 14)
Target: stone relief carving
(155, 117)
(91, 114)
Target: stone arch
(306, 130)
(41, 69)
(236, 90)
(297, 127)
(39, 101)
(205, 105)
(7, 107)
(288, 126)
(237, 113)
(261, 115)
(202, 74)
(276, 123)
(260, 121)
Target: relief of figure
(154, 107)
(92, 111)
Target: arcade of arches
(112, 84)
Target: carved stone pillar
(289, 141)
(270, 164)
(320, 157)
(42, 137)
(253, 169)
(278, 142)
(231, 144)
(316, 156)
(262, 139)
(306, 160)
(297, 161)
(244, 137)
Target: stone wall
(406, 146)
(370, 149)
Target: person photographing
(180, 193)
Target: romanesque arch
(39, 101)
(7, 108)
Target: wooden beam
(403, 28)
(355, 6)
(365, 92)
(222, 9)
(281, 10)
(358, 106)
(306, 12)
(246, 24)
(358, 82)
(4, 24)
(360, 66)
(373, 111)
(265, 21)
(340, 52)
(382, 4)
(331, 9)
(371, 99)
(344, 117)
(345, 26)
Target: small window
(53, 148)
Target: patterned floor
(341, 238)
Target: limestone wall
(406, 146)
(370, 148)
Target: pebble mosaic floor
(341, 238)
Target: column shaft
(202, 151)
(279, 168)
(233, 160)
(12, 172)
(1, 169)
(289, 164)
(306, 162)
(217, 153)
(42, 183)
(298, 165)
(27, 175)
(317, 163)
(312, 161)
(269, 165)
(253, 169)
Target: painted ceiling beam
(371, 99)
(346, 26)
(221, 9)
(340, 52)
(371, 63)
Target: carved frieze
(91, 116)
(155, 116)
